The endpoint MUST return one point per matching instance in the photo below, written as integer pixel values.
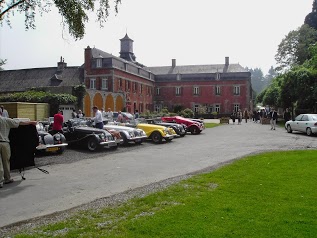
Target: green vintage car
(155, 133)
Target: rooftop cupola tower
(126, 51)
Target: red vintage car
(193, 127)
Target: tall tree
(257, 79)
(293, 50)
(74, 12)
(2, 62)
(270, 76)
(311, 18)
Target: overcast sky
(192, 32)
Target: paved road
(72, 184)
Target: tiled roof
(20, 80)
(197, 69)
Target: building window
(157, 108)
(236, 107)
(92, 83)
(178, 91)
(141, 88)
(99, 63)
(196, 90)
(218, 91)
(209, 109)
(236, 90)
(158, 91)
(196, 107)
(134, 87)
(217, 108)
(127, 85)
(104, 83)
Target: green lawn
(211, 125)
(267, 195)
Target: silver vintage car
(128, 134)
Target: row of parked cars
(82, 133)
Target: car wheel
(289, 129)
(308, 131)
(92, 144)
(156, 137)
(125, 140)
(168, 139)
(139, 142)
(60, 150)
(194, 130)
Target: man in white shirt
(109, 114)
(3, 112)
(98, 118)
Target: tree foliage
(2, 62)
(311, 18)
(294, 48)
(39, 97)
(74, 13)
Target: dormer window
(99, 63)
(217, 76)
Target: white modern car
(306, 123)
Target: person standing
(109, 114)
(287, 115)
(5, 152)
(80, 114)
(120, 117)
(239, 116)
(246, 115)
(233, 116)
(74, 114)
(3, 112)
(273, 118)
(58, 122)
(136, 114)
(97, 118)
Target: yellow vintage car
(155, 133)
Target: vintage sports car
(78, 133)
(193, 127)
(128, 134)
(306, 123)
(178, 128)
(155, 133)
(127, 117)
(50, 143)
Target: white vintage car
(128, 134)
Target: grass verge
(211, 125)
(266, 195)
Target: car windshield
(78, 122)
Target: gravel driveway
(81, 179)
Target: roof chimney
(227, 61)
(173, 63)
(61, 65)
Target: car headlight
(57, 137)
(102, 136)
(131, 133)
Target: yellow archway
(119, 103)
(98, 100)
(109, 102)
(87, 107)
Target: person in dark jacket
(5, 152)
